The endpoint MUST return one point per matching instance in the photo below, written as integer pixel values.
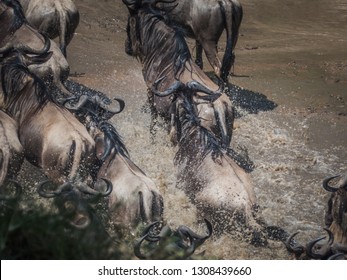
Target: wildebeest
(53, 18)
(71, 203)
(16, 33)
(55, 141)
(63, 235)
(168, 68)
(52, 138)
(336, 214)
(11, 150)
(206, 171)
(135, 198)
(201, 116)
(318, 248)
(169, 244)
(205, 20)
(335, 222)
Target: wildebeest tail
(232, 13)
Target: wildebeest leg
(210, 48)
(198, 58)
(71, 23)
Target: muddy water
(290, 94)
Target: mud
(290, 94)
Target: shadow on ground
(250, 101)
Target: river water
(290, 94)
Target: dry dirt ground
(290, 93)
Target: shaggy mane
(192, 135)
(19, 17)
(161, 37)
(18, 92)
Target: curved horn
(292, 246)
(121, 104)
(113, 108)
(42, 58)
(26, 48)
(109, 187)
(198, 87)
(44, 193)
(198, 239)
(137, 248)
(326, 185)
(88, 190)
(18, 191)
(314, 255)
(331, 236)
(176, 86)
(209, 227)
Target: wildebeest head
(16, 78)
(71, 202)
(11, 15)
(135, 198)
(29, 40)
(134, 39)
(335, 221)
(336, 214)
(317, 248)
(11, 19)
(169, 244)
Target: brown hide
(205, 20)
(222, 191)
(11, 150)
(54, 18)
(165, 56)
(55, 141)
(134, 198)
(55, 70)
(215, 183)
(336, 214)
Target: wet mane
(22, 89)
(159, 36)
(192, 135)
(19, 17)
(112, 135)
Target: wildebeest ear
(103, 147)
(99, 147)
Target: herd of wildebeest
(64, 128)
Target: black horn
(175, 87)
(88, 190)
(26, 49)
(49, 194)
(327, 186)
